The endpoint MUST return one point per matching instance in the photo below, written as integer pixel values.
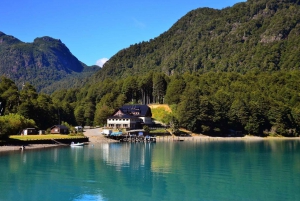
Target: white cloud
(101, 62)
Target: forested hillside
(254, 35)
(235, 69)
(41, 63)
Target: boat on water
(77, 144)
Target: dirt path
(95, 136)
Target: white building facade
(130, 117)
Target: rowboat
(77, 144)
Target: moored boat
(77, 144)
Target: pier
(138, 139)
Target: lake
(204, 170)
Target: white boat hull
(77, 144)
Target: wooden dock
(128, 138)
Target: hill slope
(255, 35)
(40, 63)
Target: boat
(77, 144)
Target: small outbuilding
(59, 129)
(29, 131)
(42, 132)
(78, 129)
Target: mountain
(259, 35)
(41, 63)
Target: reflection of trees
(162, 171)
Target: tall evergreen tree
(188, 109)
(159, 87)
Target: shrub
(14, 123)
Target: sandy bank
(208, 138)
(95, 136)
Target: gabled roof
(137, 110)
(121, 115)
(132, 111)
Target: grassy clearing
(43, 137)
(159, 131)
(160, 112)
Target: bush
(14, 123)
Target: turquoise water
(206, 170)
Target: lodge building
(130, 117)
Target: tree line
(24, 108)
(257, 103)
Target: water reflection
(133, 155)
(155, 171)
(116, 154)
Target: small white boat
(77, 144)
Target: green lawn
(159, 131)
(43, 137)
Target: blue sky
(96, 29)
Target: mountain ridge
(41, 63)
(257, 35)
(254, 35)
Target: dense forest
(211, 103)
(254, 35)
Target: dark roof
(123, 116)
(137, 110)
(131, 111)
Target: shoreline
(208, 138)
(96, 138)
(18, 148)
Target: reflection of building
(131, 155)
(131, 117)
(116, 154)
